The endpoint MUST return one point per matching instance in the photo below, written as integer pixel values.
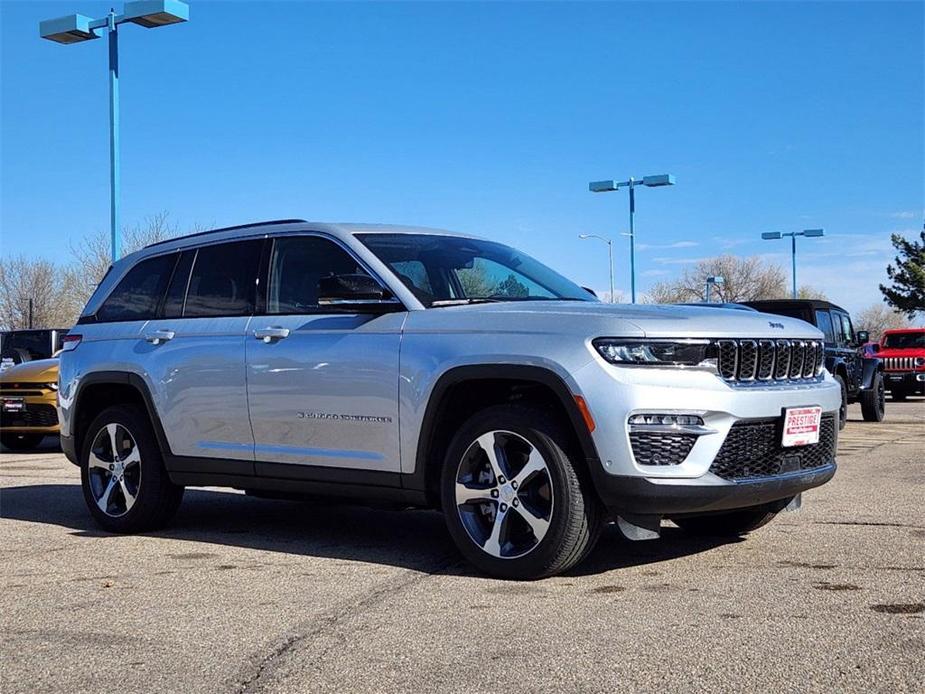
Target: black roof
(234, 228)
(793, 303)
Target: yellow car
(28, 400)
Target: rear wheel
(122, 473)
(732, 524)
(21, 442)
(843, 410)
(514, 500)
(873, 400)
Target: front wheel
(732, 524)
(21, 442)
(124, 481)
(873, 400)
(515, 502)
(843, 410)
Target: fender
(870, 367)
(70, 444)
(535, 374)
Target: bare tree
(49, 288)
(877, 318)
(92, 255)
(744, 279)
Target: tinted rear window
(137, 296)
(223, 280)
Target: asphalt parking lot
(248, 595)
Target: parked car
(435, 370)
(18, 346)
(860, 377)
(902, 352)
(28, 394)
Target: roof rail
(234, 228)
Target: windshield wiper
(463, 302)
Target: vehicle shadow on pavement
(416, 540)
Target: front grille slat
(752, 449)
(767, 360)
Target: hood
(38, 371)
(905, 352)
(596, 319)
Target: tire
(873, 400)
(21, 442)
(843, 410)
(898, 394)
(110, 481)
(540, 522)
(732, 524)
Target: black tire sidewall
(155, 492)
(543, 434)
(843, 407)
(873, 404)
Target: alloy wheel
(504, 494)
(114, 470)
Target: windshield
(905, 341)
(445, 270)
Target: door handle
(156, 337)
(270, 334)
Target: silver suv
(435, 370)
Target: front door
(322, 386)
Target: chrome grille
(898, 363)
(744, 361)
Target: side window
(137, 296)
(223, 280)
(824, 323)
(296, 265)
(847, 329)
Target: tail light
(70, 341)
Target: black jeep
(861, 377)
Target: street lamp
(712, 281)
(776, 235)
(610, 255)
(76, 28)
(651, 182)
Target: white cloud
(904, 214)
(665, 246)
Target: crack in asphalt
(322, 624)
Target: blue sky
(489, 118)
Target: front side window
(824, 323)
(847, 334)
(223, 280)
(444, 270)
(137, 296)
(297, 263)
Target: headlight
(920, 361)
(699, 353)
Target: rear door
(194, 353)
(322, 385)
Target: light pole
(76, 28)
(712, 281)
(649, 181)
(609, 254)
(776, 235)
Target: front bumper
(911, 381)
(39, 417)
(658, 497)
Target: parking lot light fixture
(77, 28)
(656, 181)
(609, 255)
(711, 282)
(777, 235)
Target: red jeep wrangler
(903, 354)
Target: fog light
(666, 420)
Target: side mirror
(863, 337)
(356, 294)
